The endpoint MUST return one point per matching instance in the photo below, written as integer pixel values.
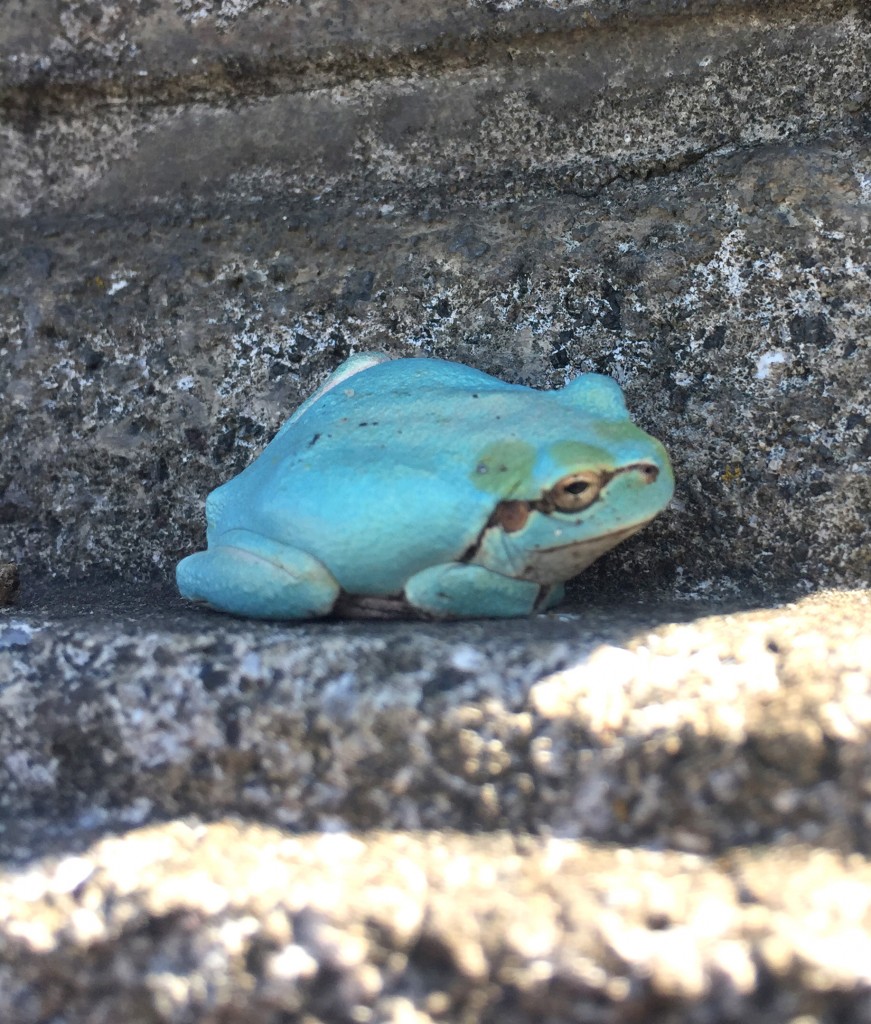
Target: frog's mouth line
(612, 538)
(547, 566)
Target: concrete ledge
(584, 102)
(673, 737)
(609, 724)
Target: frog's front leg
(454, 590)
(246, 574)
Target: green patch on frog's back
(510, 467)
(503, 466)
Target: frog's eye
(575, 492)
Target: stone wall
(207, 206)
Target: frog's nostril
(649, 472)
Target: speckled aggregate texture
(191, 240)
(428, 927)
(653, 805)
(605, 815)
(575, 724)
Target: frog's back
(399, 415)
(376, 470)
(396, 468)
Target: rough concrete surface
(664, 197)
(616, 726)
(606, 815)
(235, 923)
(9, 583)
(652, 805)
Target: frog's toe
(245, 574)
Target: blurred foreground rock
(235, 923)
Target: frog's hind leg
(246, 574)
(454, 590)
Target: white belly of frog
(553, 565)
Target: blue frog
(425, 488)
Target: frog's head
(592, 480)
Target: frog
(425, 488)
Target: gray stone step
(623, 726)
(576, 97)
(662, 776)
